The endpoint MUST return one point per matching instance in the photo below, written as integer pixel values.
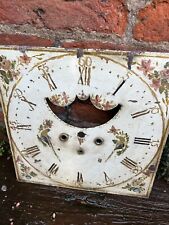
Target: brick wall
(111, 24)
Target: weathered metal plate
(119, 156)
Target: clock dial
(113, 156)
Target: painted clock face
(119, 155)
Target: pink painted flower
(113, 130)
(15, 75)
(156, 83)
(145, 66)
(96, 100)
(6, 64)
(165, 73)
(25, 59)
(107, 105)
(55, 99)
(65, 97)
(18, 159)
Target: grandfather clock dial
(49, 101)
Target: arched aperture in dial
(83, 114)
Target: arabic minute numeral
(85, 70)
(155, 143)
(155, 110)
(46, 75)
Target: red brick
(20, 39)
(153, 22)
(107, 45)
(95, 45)
(101, 16)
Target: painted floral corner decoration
(101, 103)
(159, 79)
(136, 185)
(43, 135)
(26, 171)
(60, 99)
(10, 70)
(121, 140)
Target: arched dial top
(88, 122)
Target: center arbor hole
(82, 114)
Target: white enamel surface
(136, 95)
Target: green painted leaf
(114, 141)
(33, 174)
(161, 89)
(166, 65)
(9, 75)
(3, 73)
(4, 76)
(13, 64)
